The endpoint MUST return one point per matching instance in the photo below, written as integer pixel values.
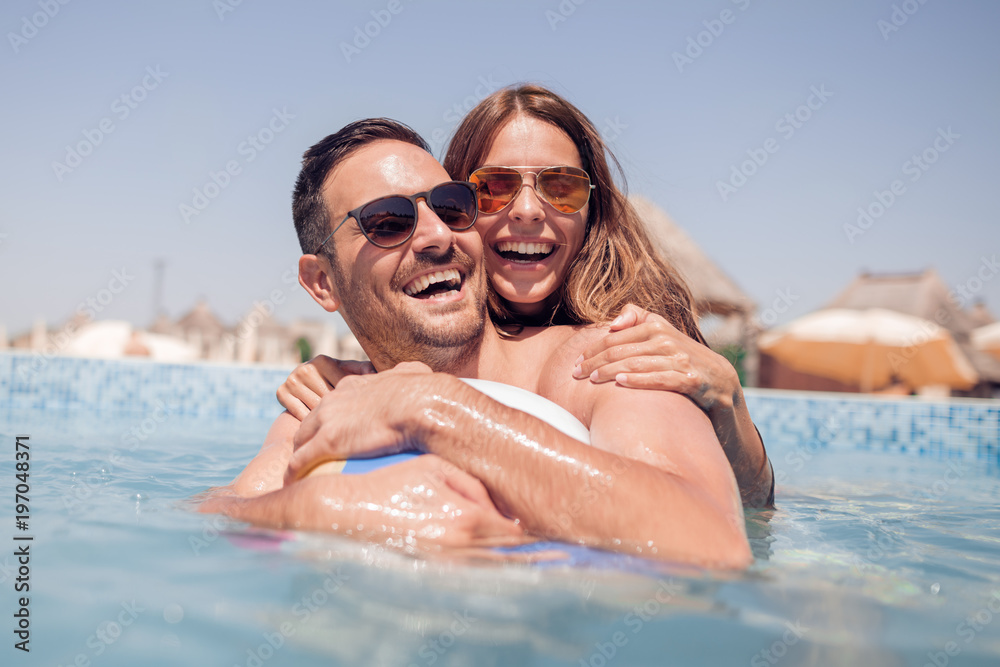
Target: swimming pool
(885, 548)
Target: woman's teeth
(524, 252)
(450, 276)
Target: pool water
(873, 557)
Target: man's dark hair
(312, 220)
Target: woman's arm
(644, 351)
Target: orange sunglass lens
(495, 188)
(566, 188)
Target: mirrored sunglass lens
(454, 204)
(566, 188)
(495, 188)
(387, 222)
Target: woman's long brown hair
(618, 263)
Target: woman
(563, 245)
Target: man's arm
(425, 503)
(655, 482)
(421, 504)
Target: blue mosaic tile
(229, 392)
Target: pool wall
(30, 382)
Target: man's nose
(430, 232)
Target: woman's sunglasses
(566, 189)
(389, 221)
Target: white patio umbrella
(870, 348)
(987, 339)
(108, 338)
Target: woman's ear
(315, 275)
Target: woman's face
(529, 245)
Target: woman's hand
(313, 380)
(364, 417)
(645, 351)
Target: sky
(798, 143)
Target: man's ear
(315, 276)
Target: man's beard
(391, 334)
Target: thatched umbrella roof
(713, 290)
(919, 294)
(922, 295)
(202, 320)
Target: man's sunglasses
(389, 221)
(566, 189)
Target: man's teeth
(525, 248)
(425, 281)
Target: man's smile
(441, 284)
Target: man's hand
(364, 417)
(421, 504)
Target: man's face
(380, 289)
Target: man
(654, 480)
